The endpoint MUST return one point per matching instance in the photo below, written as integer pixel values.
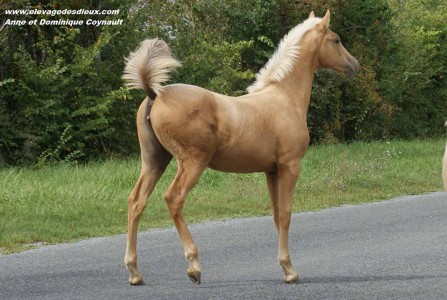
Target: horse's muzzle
(352, 68)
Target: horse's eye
(337, 41)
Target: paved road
(395, 249)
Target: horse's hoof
(136, 281)
(195, 276)
(292, 279)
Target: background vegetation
(60, 87)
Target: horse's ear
(326, 20)
(311, 15)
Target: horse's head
(332, 54)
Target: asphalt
(396, 249)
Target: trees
(60, 89)
(415, 81)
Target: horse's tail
(149, 66)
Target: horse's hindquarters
(184, 121)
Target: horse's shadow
(367, 278)
(324, 280)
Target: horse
(264, 130)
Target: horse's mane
(283, 60)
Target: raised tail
(149, 66)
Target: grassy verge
(64, 203)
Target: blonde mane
(283, 60)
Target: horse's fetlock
(130, 260)
(284, 260)
(191, 254)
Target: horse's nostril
(351, 70)
(354, 67)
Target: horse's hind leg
(137, 202)
(154, 160)
(188, 174)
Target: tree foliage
(61, 96)
(415, 79)
(61, 93)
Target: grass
(65, 203)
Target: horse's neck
(298, 84)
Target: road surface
(395, 249)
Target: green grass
(65, 203)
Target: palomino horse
(263, 131)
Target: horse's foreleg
(188, 174)
(288, 176)
(273, 187)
